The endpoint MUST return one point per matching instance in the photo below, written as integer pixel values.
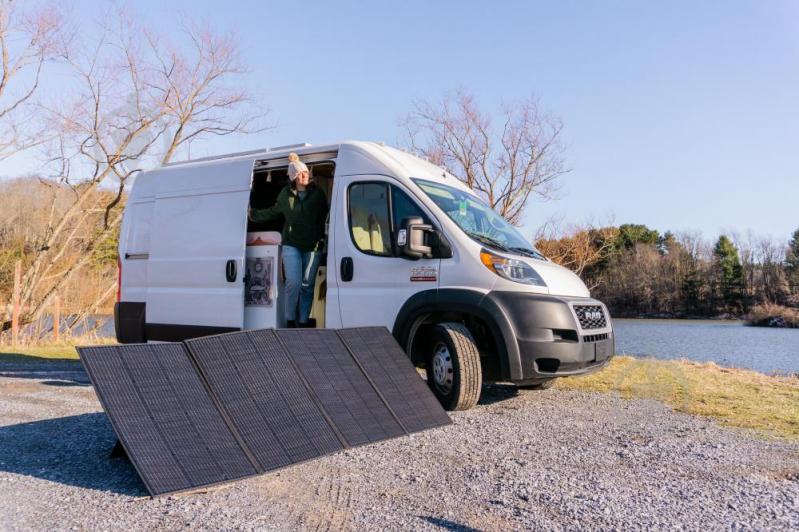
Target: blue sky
(679, 115)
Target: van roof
(360, 157)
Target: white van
(409, 247)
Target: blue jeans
(300, 269)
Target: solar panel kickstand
(118, 451)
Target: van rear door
(197, 248)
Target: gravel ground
(537, 460)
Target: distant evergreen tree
(792, 262)
(692, 289)
(632, 234)
(730, 275)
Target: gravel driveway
(537, 460)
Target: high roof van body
(409, 247)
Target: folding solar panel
(164, 417)
(395, 376)
(223, 407)
(343, 390)
(265, 397)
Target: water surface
(727, 343)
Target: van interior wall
(265, 188)
(267, 184)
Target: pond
(727, 343)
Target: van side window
(404, 207)
(370, 223)
(376, 211)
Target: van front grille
(590, 316)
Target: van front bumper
(549, 339)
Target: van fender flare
(472, 302)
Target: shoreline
(689, 320)
(773, 322)
(766, 316)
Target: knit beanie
(295, 166)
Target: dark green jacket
(304, 225)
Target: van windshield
(477, 219)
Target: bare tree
(577, 247)
(506, 165)
(28, 40)
(772, 283)
(130, 103)
(694, 245)
(196, 102)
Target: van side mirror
(440, 245)
(416, 240)
(411, 238)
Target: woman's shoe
(291, 324)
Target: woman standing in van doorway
(304, 208)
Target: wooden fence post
(57, 319)
(15, 303)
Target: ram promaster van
(409, 247)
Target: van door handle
(346, 269)
(230, 271)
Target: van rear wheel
(453, 367)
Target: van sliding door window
(369, 218)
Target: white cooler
(263, 289)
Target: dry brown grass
(735, 397)
(762, 314)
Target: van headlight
(514, 270)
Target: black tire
(543, 385)
(453, 367)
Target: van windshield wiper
(527, 251)
(485, 239)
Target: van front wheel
(453, 367)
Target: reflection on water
(728, 343)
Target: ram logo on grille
(590, 316)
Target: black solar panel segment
(264, 397)
(224, 407)
(341, 388)
(394, 375)
(164, 417)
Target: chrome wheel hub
(443, 370)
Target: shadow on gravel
(66, 383)
(32, 360)
(446, 524)
(69, 450)
(494, 393)
(56, 371)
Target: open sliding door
(196, 262)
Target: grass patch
(51, 351)
(735, 397)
